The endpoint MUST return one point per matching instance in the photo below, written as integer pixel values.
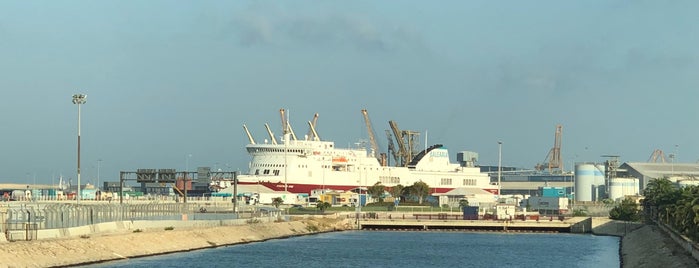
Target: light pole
(79, 99)
(98, 172)
(186, 162)
(499, 167)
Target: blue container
(470, 213)
(553, 191)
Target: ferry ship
(308, 164)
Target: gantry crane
(657, 156)
(554, 156)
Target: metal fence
(31, 217)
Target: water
(402, 249)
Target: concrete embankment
(644, 245)
(113, 246)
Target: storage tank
(687, 182)
(584, 181)
(620, 187)
(600, 189)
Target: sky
(170, 84)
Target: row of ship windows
(267, 172)
(258, 150)
(382, 179)
(306, 166)
(466, 182)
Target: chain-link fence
(31, 217)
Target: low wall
(129, 244)
(681, 240)
(125, 226)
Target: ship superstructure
(303, 165)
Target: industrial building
(680, 173)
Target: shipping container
(470, 213)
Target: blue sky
(169, 79)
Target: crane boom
(402, 151)
(554, 155)
(310, 131)
(252, 141)
(392, 148)
(372, 138)
(313, 129)
(285, 124)
(271, 135)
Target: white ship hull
(300, 166)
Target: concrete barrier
(48, 234)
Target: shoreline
(643, 245)
(640, 245)
(100, 248)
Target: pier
(436, 222)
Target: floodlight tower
(79, 99)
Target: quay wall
(152, 240)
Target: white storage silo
(584, 181)
(600, 187)
(687, 182)
(620, 187)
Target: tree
(397, 191)
(626, 211)
(463, 203)
(323, 206)
(686, 212)
(277, 201)
(376, 191)
(421, 190)
(660, 192)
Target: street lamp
(98, 172)
(499, 167)
(79, 99)
(186, 162)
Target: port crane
(407, 142)
(392, 148)
(554, 155)
(657, 156)
(372, 139)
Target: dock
(454, 223)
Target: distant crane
(407, 142)
(372, 139)
(392, 148)
(657, 156)
(554, 155)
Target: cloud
(254, 28)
